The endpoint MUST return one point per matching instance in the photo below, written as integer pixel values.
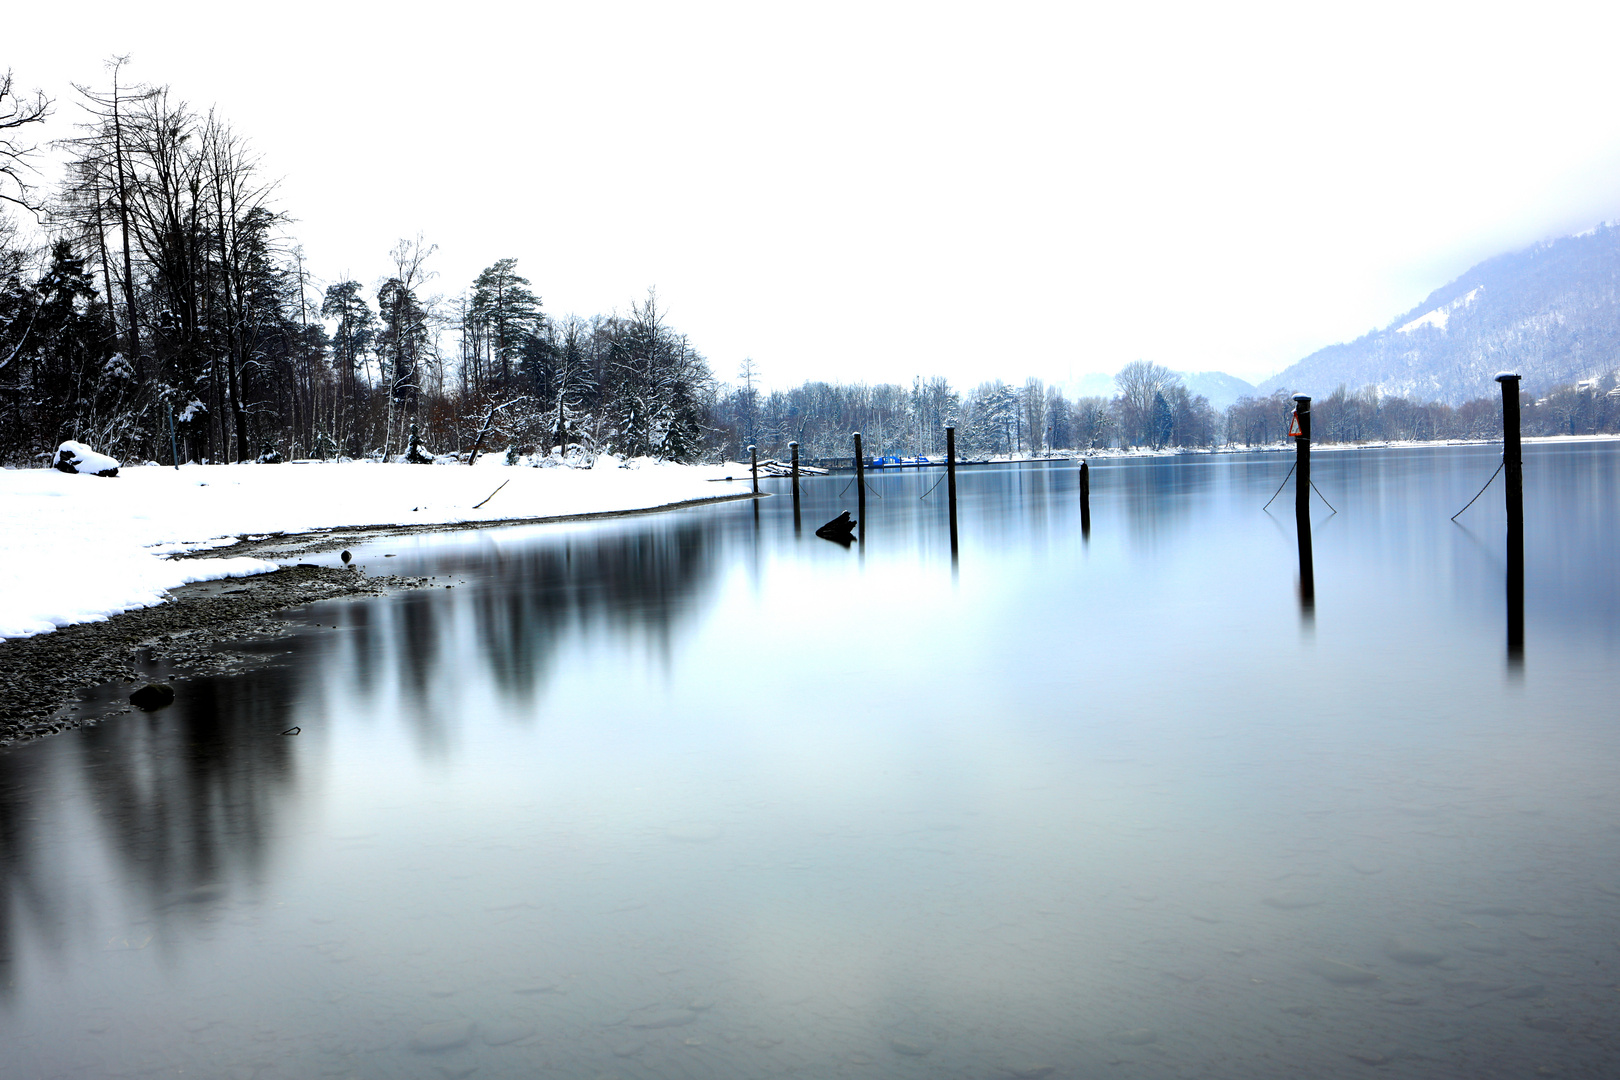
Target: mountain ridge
(1550, 311)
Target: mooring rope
(1318, 491)
(1278, 492)
(1499, 467)
(930, 491)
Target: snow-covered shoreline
(76, 548)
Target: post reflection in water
(704, 795)
(1515, 597)
(1307, 570)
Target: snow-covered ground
(77, 548)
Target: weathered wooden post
(793, 446)
(1085, 499)
(860, 489)
(1302, 501)
(950, 481)
(753, 466)
(1513, 469)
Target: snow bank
(75, 457)
(76, 548)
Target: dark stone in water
(152, 696)
(840, 530)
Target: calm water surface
(702, 795)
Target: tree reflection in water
(185, 801)
(525, 602)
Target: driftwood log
(840, 530)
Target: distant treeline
(168, 310)
(1591, 407)
(1152, 409)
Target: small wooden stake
(860, 488)
(1085, 499)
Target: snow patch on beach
(77, 548)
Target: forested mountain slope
(1550, 312)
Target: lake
(703, 795)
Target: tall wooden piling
(950, 481)
(793, 446)
(1513, 471)
(753, 466)
(1302, 502)
(1085, 499)
(860, 488)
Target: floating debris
(1529, 990)
(1546, 1023)
(1405, 950)
(1336, 971)
(1367, 1057)
(450, 1035)
(502, 1033)
(1292, 900)
(1135, 1036)
(909, 1047)
(673, 1018)
(540, 988)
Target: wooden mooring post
(1302, 503)
(1085, 500)
(1513, 471)
(753, 466)
(950, 481)
(860, 491)
(793, 446)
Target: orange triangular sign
(1293, 425)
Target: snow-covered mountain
(1550, 312)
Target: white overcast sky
(875, 191)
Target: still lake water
(701, 795)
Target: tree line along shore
(162, 310)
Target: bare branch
(18, 110)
